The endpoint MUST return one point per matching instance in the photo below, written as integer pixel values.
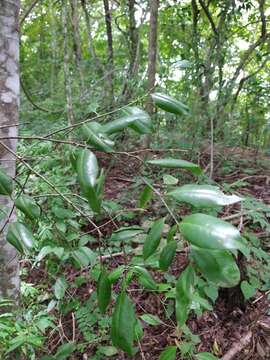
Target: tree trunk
(91, 47)
(108, 21)
(9, 105)
(134, 50)
(70, 114)
(152, 58)
(76, 38)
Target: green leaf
(209, 232)
(6, 184)
(84, 256)
(116, 273)
(151, 319)
(108, 350)
(145, 278)
(93, 135)
(175, 164)
(169, 104)
(20, 237)
(184, 292)
(167, 255)
(118, 124)
(46, 250)
(138, 330)
(123, 324)
(142, 123)
(153, 239)
(247, 289)
(169, 179)
(172, 232)
(205, 356)
(169, 353)
(65, 350)
(126, 233)
(104, 291)
(145, 196)
(218, 266)
(60, 287)
(87, 170)
(203, 196)
(28, 206)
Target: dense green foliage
(212, 81)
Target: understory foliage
(49, 234)
(165, 90)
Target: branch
(28, 11)
(209, 16)
(36, 106)
(51, 185)
(244, 79)
(238, 346)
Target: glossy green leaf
(6, 184)
(142, 123)
(175, 164)
(103, 291)
(203, 196)
(87, 167)
(145, 278)
(118, 124)
(93, 135)
(60, 288)
(247, 289)
(205, 356)
(28, 206)
(169, 353)
(153, 238)
(218, 266)
(87, 170)
(209, 232)
(167, 255)
(126, 233)
(151, 319)
(123, 324)
(20, 237)
(169, 104)
(145, 196)
(184, 292)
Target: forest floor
(230, 323)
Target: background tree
(9, 106)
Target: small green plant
(109, 313)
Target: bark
(108, 21)
(68, 91)
(134, 51)
(53, 50)
(91, 47)
(9, 105)
(76, 38)
(152, 57)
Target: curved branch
(36, 106)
